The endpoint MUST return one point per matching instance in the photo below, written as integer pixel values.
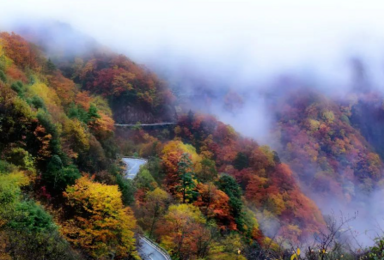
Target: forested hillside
(206, 192)
(56, 139)
(330, 155)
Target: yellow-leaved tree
(101, 225)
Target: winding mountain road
(133, 166)
(147, 250)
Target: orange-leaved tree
(214, 203)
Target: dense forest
(207, 192)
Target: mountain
(52, 135)
(135, 93)
(207, 192)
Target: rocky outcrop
(129, 114)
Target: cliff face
(367, 115)
(131, 114)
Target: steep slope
(134, 93)
(50, 131)
(207, 192)
(330, 157)
(268, 185)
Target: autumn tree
(180, 162)
(227, 248)
(23, 53)
(100, 224)
(16, 117)
(65, 88)
(50, 128)
(183, 230)
(214, 204)
(156, 203)
(208, 171)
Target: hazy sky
(273, 35)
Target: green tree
(59, 177)
(229, 185)
(145, 180)
(33, 217)
(126, 188)
(37, 102)
(27, 229)
(25, 245)
(154, 167)
(50, 67)
(92, 114)
(187, 184)
(3, 77)
(78, 112)
(18, 88)
(241, 161)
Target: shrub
(37, 102)
(3, 77)
(32, 217)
